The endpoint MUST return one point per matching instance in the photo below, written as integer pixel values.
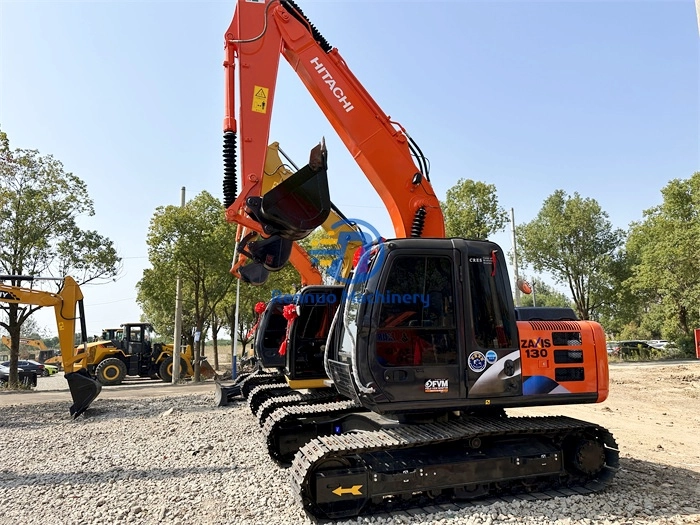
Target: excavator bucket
(273, 253)
(301, 203)
(254, 273)
(206, 370)
(83, 389)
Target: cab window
(416, 319)
(490, 292)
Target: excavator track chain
(263, 378)
(261, 393)
(295, 398)
(285, 434)
(424, 465)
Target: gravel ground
(181, 460)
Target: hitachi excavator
(82, 387)
(425, 347)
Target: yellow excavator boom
(83, 388)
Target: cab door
(492, 352)
(415, 329)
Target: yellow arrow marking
(354, 490)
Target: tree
(666, 270)
(193, 242)
(544, 295)
(572, 238)
(471, 210)
(284, 281)
(39, 235)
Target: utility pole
(234, 352)
(515, 258)
(178, 315)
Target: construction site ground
(653, 409)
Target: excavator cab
(407, 335)
(299, 204)
(270, 333)
(316, 307)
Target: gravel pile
(185, 461)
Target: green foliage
(39, 206)
(39, 235)
(572, 238)
(194, 242)
(544, 295)
(685, 346)
(666, 269)
(472, 211)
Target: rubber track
(255, 395)
(293, 399)
(261, 375)
(408, 436)
(283, 414)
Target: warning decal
(260, 99)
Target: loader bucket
(300, 203)
(83, 389)
(254, 273)
(225, 393)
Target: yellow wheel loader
(132, 353)
(83, 388)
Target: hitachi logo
(328, 79)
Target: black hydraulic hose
(230, 184)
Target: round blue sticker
(491, 357)
(476, 361)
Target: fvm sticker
(477, 361)
(440, 386)
(491, 357)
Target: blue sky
(596, 97)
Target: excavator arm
(254, 272)
(83, 388)
(259, 34)
(36, 343)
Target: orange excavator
(425, 348)
(82, 387)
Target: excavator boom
(82, 387)
(259, 33)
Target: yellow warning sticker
(260, 99)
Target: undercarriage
(407, 465)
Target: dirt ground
(653, 410)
